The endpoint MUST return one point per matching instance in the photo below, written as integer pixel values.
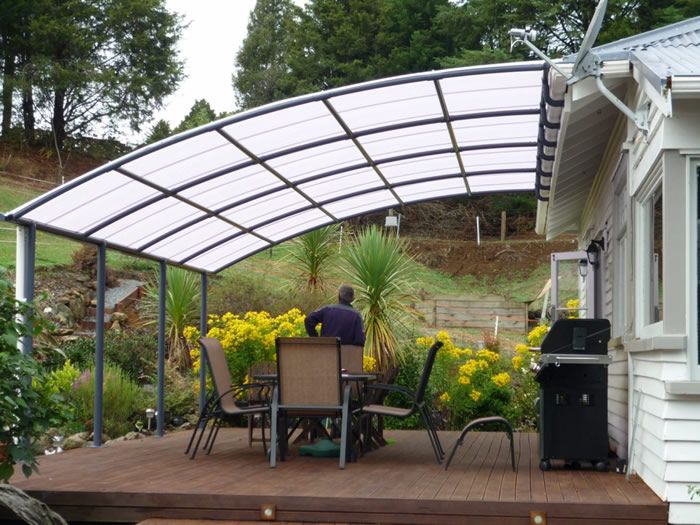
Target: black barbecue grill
(573, 377)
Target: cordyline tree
(80, 63)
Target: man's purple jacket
(337, 320)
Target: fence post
(503, 226)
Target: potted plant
(25, 412)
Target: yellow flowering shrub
(536, 335)
(572, 306)
(464, 377)
(247, 339)
(524, 386)
(369, 363)
(501, 379)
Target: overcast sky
(208, 46)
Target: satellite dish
(584, 58)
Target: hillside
(441, 235)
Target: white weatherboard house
(628, 177)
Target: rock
(75, 441)
(119, 320)
(63, 315)
(28, 509)
(132, 436)
(186, 426)
(105, 437)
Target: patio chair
(351, 362)
(374, 437)
(417, 402)
(309, 384)
(259, 396)
(223, 402)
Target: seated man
(338, 320)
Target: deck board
(400, 483)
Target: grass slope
(269, 266)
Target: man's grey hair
(346, 294)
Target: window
(656, 211)
(623, 273)
(697, 262)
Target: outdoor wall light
(583, 267)
(150, 414)
(538, 517)
(268, 512)
(593, 251)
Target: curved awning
(212, 196)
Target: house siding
(665, 451)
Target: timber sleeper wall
(473, 312)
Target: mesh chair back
(427, 369)
(308, 371)
(351, 358)
(259, 368)
(220, 373)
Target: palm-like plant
(181, 309)
(310, 255)
(384, 281)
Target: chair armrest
(264, 389)
(391, 388)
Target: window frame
(643, 210)
(693, 265)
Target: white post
(478, 233)
(495, 332)
(24, 277)
(398, 225)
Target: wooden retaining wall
(474, 312)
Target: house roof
(665, 57)
(215, 195)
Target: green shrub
(180, 393)
(134, 351)
(123, 400)
(25, 410)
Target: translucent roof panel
(431, 190)
(232, 187)
(286, 129)
(404, 141)
(501, 182)
(332, 186)
(499, 158)
(149, 222)
(422, 167)
(388, 105)
(190, 239)
(211, 196)
(187, 160)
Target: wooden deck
(401, 483)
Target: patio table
(311, 426)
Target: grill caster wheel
(545, 465)
(601, 466)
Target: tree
(311, 256)
(201, 113)
(261, 63)
(97, 62)
(384, 280)
(159, 132)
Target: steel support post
(160, 419)
(203, 333)
(99, 344)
